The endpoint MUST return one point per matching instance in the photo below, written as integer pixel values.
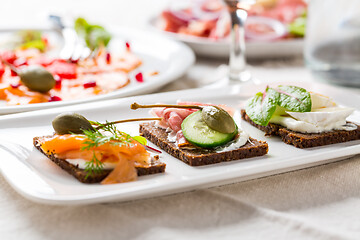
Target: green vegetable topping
(32, 39)
(197, 132)
(262, 106)
(96, 138)
(95, 36)
(298, 26)
(294, 98)
(140, 139)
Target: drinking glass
(237, 60)
(332, 43)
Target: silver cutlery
(74, 48)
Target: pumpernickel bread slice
(201, 156)
(305, 140)
(156, 166)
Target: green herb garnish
(140, 139)
(94, 166)
(262, 106)
(95, 138)
(294, 98)
(95, 36)
(298, 26)
(31, 39)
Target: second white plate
(220, 48)
(158, 53)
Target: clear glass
(332, 43)
(237, 60)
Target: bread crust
(80, 174)
(200, 156)
(305, 140)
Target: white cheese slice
(321, 101)
(323, 116)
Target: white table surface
(317, 203)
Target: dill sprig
(94, 166)
(97, 137)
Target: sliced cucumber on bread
(197, 132)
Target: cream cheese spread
(81, 163)
(235, 144)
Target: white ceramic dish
(170, 58)
(255, 50)
(40, 180)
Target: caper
(218, 119)
(37, 78)
(70, 123)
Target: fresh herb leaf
(262, 106)
(95, 36)
(94, 166)
(29, 35)
(298, 26)
(31, 39)
(96, 138)
(81, 26)
(293, 98)
(39, 44)
(140, 139)
(107, 134)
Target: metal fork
(74, 48)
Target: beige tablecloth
(317, 203)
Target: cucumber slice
(197, 132)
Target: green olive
(37, 78)
(70, 123)
(218, 119)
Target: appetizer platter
(122, 63)
(175, 124)
(205, 26)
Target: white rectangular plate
(38, 179)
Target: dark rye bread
(200, 156)
(80, 174)
(305, 140)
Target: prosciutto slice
(173, 117)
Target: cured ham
(172, 118)
(210, 19)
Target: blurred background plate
(220, 48)
(171, 59)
